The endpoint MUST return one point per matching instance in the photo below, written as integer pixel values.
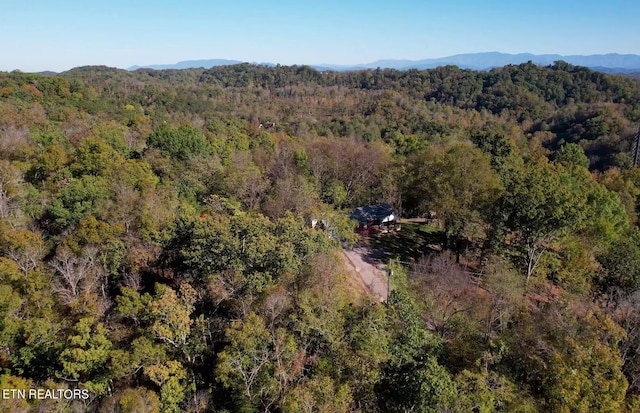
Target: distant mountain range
(189, 64)
(611, 63)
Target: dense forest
(156, 247)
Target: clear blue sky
(58, 35)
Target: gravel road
(370, 271)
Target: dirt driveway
(370, 271)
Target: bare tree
(445, 285)
(10, 179)
(506, 289)
(275, 305)
(13, 138)
(359, 167)
(78, 274)
(627, 314)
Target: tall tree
(540, 201)
(458, 184)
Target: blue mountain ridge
(611, 62)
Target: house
(373, 218)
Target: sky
(58, 35)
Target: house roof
(373, 213)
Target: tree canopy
(173, 240)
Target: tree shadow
(411, 242)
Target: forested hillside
(156, 247)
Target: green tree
(458, 184)
(488, 392)
(132, 400)
(79, 198)
(494, 142)
(585, 374)
(413, 380)
(170, 314)
(540, 202)
(169, 376)
(180, 143)
(86, 356)
(246, 365)
(318, 394)
(95, 157)
(621, 264)
(572, 154)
